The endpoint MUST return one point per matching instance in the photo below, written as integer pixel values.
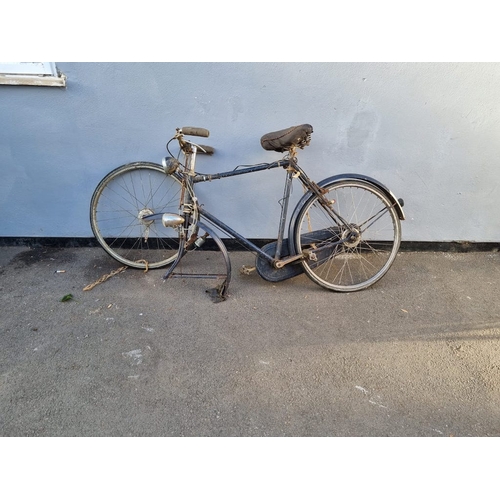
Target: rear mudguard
(398, 203)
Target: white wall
(428, 131)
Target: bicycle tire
(118, 203)
(356, 250)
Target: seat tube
(284, 210)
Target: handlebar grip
(199, 132)
(207, 150)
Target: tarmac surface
(417, 354)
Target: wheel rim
(354, 252)
(118, 207)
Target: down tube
(241, 239)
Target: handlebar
(207, 150)
(196, 131)
(186, 145)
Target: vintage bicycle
(344, 232)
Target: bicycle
(344, 232)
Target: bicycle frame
(293, 171)
(284, 207)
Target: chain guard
(270, 273)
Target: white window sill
(36, 80)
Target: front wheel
(117, 210)
(350, 237)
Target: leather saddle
(283, 140)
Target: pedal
(247, 270)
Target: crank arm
(279, 264)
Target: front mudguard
(325, 183)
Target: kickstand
(219, 293)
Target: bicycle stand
(219, 293)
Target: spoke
(112, 200)
(381, 212)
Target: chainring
(270, 273)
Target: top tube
(246, 170)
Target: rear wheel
(117, 210)
(352, 241)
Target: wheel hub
(352, 237)
(143, 213)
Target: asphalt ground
(417, 354)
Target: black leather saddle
(283, 140)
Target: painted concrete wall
(429, 131)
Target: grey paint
(428, 131)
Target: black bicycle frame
(293, 170)
(241, 239)
(189, 178)
(284, 206)
(241, 171)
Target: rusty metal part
(283, 262)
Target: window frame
(41, 74)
